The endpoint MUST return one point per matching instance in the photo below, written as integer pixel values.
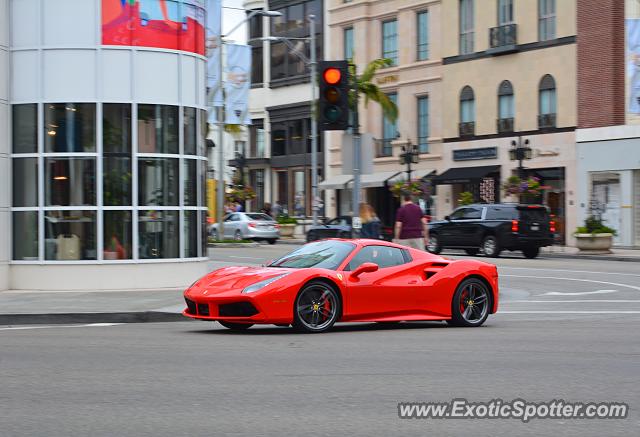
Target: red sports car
(335, 280)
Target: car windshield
(256, 216)
(322, 254)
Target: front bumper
(239, 308)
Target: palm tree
(367, 88)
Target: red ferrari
(335, 280)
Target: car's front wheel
(235, 326)
(214, 234)
(471, 303)
(433, 244)
(316, 307)
(238, 235)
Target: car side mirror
(447, 218)
(364, 268)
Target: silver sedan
(248, 226)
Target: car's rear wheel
(531, 252)
(433, 244)
(471, 303)
(472, 252)
(238, 235)
(272, 241)
(316, 307)
(490, 246)
(235, 326)
(311, 236)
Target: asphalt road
(566, 329)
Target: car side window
(473, 214)
(233, 218)
(458, 214)
(229, 218)
(501, 213)
(384, 256)
(332, 222)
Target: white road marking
(568, 312)
(574, 279)
(505, 302)
(577, 293)
(568, 271)
(89, 325)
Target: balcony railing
(546, 121)
(503, 39)
(505, 125)
(383, 147)
(467, 129)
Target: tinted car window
(230, 218)
(501, 213)
(384, 256)
(472, 214)
(338, 221)
(259, 217)
(458, 214)
(534, 214)
(322, 254)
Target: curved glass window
(70, 235)
(158, 181)
(69, 127)
(157, 129)
(70, 181)
(25, 128)
(25, 182)
(158, 234)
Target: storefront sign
(473, 154)
(387, 79)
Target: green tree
(367, 88)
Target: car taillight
(252, 225)
(514, 225)
(552, 226)
(277, 226)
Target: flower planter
(594, 243)
(110, 255)
(287, 230)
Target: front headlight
(259, 285)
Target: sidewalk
(616, 254)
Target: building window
(422, 36)
(70, 127)
(256, 140)
(390, 41)
(547, 105)
(256, 180)
(466, 26)
(389, 131)
(348, 43)
(73, 210)
(467, 112)
(546, 19)
(25, 128)
(505, 12)
(423, 124)
(505, 107)
(255, 35)
(294, 24)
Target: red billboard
(167, 24)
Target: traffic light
(333, 105)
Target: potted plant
(594, 236)
(111, 252)
(287, 225)
(465, 198)
(411, 188)
(527, 190)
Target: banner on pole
(213, 47)
(237, 84)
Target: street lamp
(519, 152)
(220, 186)
(409, 155)
(312, 63)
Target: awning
(336, 182)
(463, 175)
(375, 179)
(416, 174)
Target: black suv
(493, 228)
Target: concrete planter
(594, 243)
(287, 230)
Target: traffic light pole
(314, 124)
(357, 156)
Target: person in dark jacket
(371, 225)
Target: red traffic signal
(332, 75)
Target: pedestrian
(370, 221)
(277, 209)
(266, 209)
(411, 226)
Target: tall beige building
(496, 73)
(408, 32)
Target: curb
(591, 257)
(80, 318)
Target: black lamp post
(409, 156)
(519, 152)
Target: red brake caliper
(463, 298)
